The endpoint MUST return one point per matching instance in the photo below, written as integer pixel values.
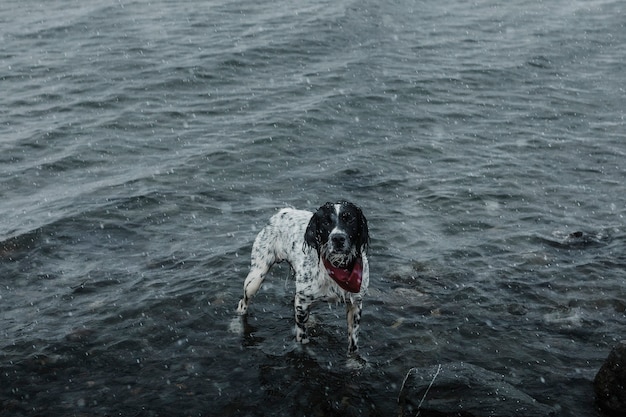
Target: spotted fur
(337, 232)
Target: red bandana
(349, 280)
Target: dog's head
(338, 232)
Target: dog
(327, 252)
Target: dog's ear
(311, 235)
(363, 238)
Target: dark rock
(464, 390)
(610, 382)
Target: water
(143, 145)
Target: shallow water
(143, 145)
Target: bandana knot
(348, 279)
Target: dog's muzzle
(339, 243)
(339, 250)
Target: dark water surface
(143, 145)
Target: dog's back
(285, 233)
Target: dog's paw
(235, 326)
(356, 361)
(301, 337)
(242, 308)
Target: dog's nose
(338, 240)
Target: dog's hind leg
(262, 259)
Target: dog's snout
(339, 240)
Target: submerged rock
(610, 382)
(465, 390)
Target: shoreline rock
(466, 390)
(609, 384)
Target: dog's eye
(348, 218)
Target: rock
(465, 390)
(610, 382)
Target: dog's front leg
(353, 315)
(302, 306)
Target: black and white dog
(326, 250)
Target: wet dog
(326, 251)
